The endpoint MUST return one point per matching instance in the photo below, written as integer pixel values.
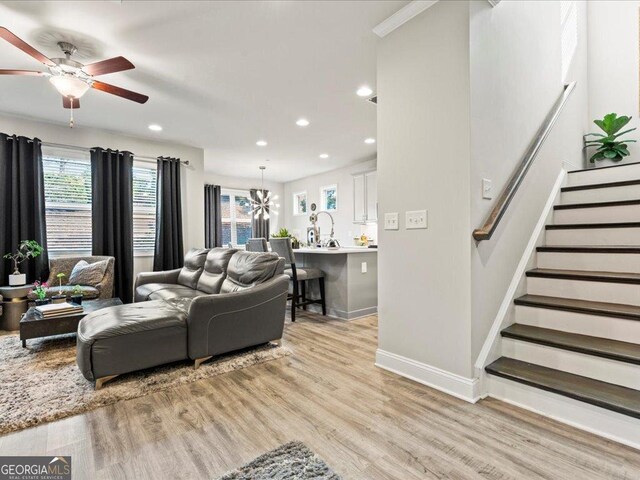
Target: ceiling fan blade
(121, 92)
(112, 65)
(21, 72)
(66, 103)
(25, 47)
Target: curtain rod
(140, 158)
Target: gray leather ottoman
(122, 339)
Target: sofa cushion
(176, 291)
(215, 269)
(247, 269)
(89, 293)
(143, 291)
(193, 265)
(85, 273)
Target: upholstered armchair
(65, 265)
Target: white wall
(192, 175)
(515, 79)
(345, 229)
(613, 64)
(424, 163)
(242, 183)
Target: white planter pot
(17, 280)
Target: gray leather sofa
(221, 300)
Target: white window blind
(67, 185)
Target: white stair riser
(605, 175)
(610, 194)
(594, 325)
(628, 294)
(603, 262)
(612, 425)
(594, 236)
(623, 213)
(603, 369)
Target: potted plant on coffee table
(60, 297)
(77, 295)
(26, 249)
(40, 290)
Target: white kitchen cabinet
(365, 197)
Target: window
(67, 190)
(569, 36)
(329, 198)
(300, 203)
(144, 208)
(236, 216)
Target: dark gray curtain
(212, 217)
(112, 214)
(22, 213)
(260, 225)
(169, 251)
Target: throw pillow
(85, 273)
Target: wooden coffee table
(33, 325)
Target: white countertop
(335, 251)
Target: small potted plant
(26, 249)
(40, 290)
(611, 148)
(76, 295)
(284, 233)
(61, 297)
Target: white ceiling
(220, 75)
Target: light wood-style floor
(366, 423)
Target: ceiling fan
(70, 78)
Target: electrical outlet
(416, 219)
(391, 221)
(487, 192)
(363, 267)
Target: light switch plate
(391, 221)
(363, 267)
(487, 192)
(416, 219)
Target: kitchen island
(351, 279)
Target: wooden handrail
(493, 219)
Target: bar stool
(257, 245)
(299, 277)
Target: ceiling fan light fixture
(70, 86)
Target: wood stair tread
(595, 392)
(597, 346)
(617, 310)
(594, 186)
(579, 226)
(589, 249)
(584, 275)
(602, 168)
(615, 203)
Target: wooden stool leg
(294, 301)
(322, 299)
(303, 284)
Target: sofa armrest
(230, 321)
(168, 276)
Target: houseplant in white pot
(26, 249)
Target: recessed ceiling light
(324, 155)
(370, 140)
(302, 122)
(261, 143)
(155, 128)
(364, 91)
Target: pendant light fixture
(264, 203)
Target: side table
(15, 304)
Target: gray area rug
(42, 383)
(292, 461)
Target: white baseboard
(342, 314)
(447, 382)
(605, 423)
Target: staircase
(573, 352)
